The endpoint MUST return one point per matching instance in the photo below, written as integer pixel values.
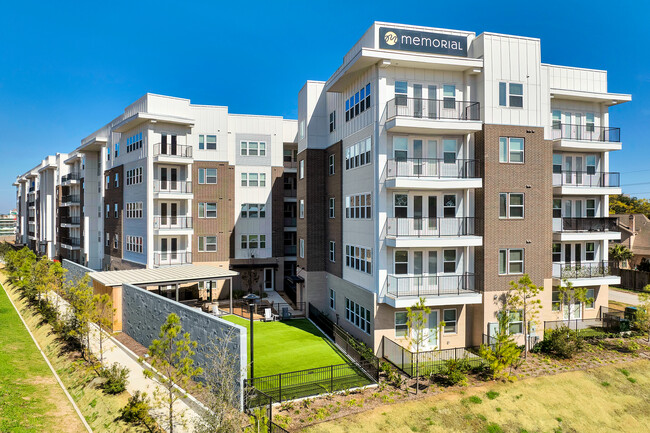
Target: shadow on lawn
(307, 326)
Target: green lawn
(290, 345)
(30, 398)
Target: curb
(58, 379)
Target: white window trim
(508, 151)
(523, 261)
(508, 206)
(455, 332)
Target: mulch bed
(130, 343)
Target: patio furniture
(269, 316)
(285, 313)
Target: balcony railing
(290, 222)
(583, 269)
(587, 179)
(70, 220)
(290, 193)
(290, 164)
(172, 222)
(589, 224)
(31, 203)
(433, 109)
(430, 285)
(180, 150)
(568, 131)
(32, 188)
(70, 176)
(436, 168)
(30, 219)
(169, 258)
(431, 227)
(172, 186)
(290, 250)
(71, 199)
(73, 242)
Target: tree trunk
(526, 348)
(171, 410)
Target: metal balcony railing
(589, 224)
(430, 285)
(172, 222)
(290, 164)
(169, 258)
(71, 199)
(587, 179)
(290, 222)
(70, 220)
(431, 227)
(583, 269)
(31, 203)
(73, 242)
(433, 109)
(290, 250)
(290, 193)
(172, 186)
(70, 176)
(180, 150)
(435, 168)
(567, 131)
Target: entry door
(433, 212)
(432, 321)
(268, 279)
(163, 144)
(173, 179)
(576, 311)
(567, 126)
(579, 170)
(163, 249)
(163, 179)
(174, 252)
(163, 214)
(174, 146)
(432, 102)
(417, 155)
(174, 216)
(417, 100)
(417, 212)
(493, 329)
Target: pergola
(110, 282)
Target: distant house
(635, 234)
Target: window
(201, 142)
(449, 206)
(108, 211)
(207, 210)
(116, 211)
(302, 169)
(591, 164)
(357, 315)
(134, 143)
(511, 150)
(117, 152)
(449, 151)
(332, 251)
(400, 208)
(357, 103)
(450, 319)
(253, 241)
(108, 181)
(134, 210)
(511, 205)
(117, 180)
(253, 148)
(590, 251)
(511, 95)
(358, 154)
(207, 244)
(401, 324)
(134, 176)
(302, 129)
(332, 121)
(449, 261)
(208, 142)
(401, 262)
(134, 244)
(557, 208)
(253, 210)
(449, 96)
(557, 253)
(591, 299)
(516, 322)
(302, 248)
(301, 211)
(557, 163)
(207, 175)
(555, 300)
(332, 299)
(401, 91)
(115, 242)
(511, 261)
(557, 119)
(358, 258)
(400, 148)
(358, 206)
(253, 179)
(332, 165)
(589, 122)
(332, 207)
(108, 239)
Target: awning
(162, 276)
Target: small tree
(416, 322)
(172, 355)
(523, 295)
(642, 315)
(83, 306)
(505, 352)
(103, 316)
(620, 253)
(571, 295)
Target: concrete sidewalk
(623, 296)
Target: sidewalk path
(623, 296)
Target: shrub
(454, 372)
(116, 378)
(492, 395)
(136, 411)
(561, 343)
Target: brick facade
(114, 195)
(334, 226)
(311, 228)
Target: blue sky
(67, 68)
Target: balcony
(173, 224)
(172, 189)
(31, 203)
(290, 193)
(290, 250)
(585, 137)
(290, 166)
(32, 188)
(172, 153)
(432, 232)
(586, 183)
(433, 173)
(171, 258)
(404, 290)
(69, 200)
(585, 273)
(70, 221)
(290, 222)
(584, 229)
(70, 178)
(70, 243)
(432, 116)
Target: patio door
(576, 311)
(417, 100)
(268, 279)
(432, 321)
(432, 102)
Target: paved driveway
(624, 297)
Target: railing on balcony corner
(73, 242)
(173, 186)
(290, 222)
(431, 227)
(430, 285)
(170, 258)
(181, 150)
(290, 164)
(71, 199)
(70, 220)
(290, 192)
(433, 109)
(567, 131)
(587, 179)
(70, 176)
(290, 250)
(572, 270)
(604, 224)
(437, 168)
(172, 222)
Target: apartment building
(442, 165)
(170, 183)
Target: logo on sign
(390, 38)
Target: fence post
(270, 423)
(332, 378)
(280, 386)
(402, 350)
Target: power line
(635, 171)
(639, 183)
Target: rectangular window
(207, 244)
(555, 301)
(511, 261)
(357, 315)
(358, 206)
(557, 163)
(117, 180)
(358, 258)
(115, 242)
(211, 142)
(116, 211)
(244, 179)
(449, 96)
(108, 182)
(302, 129)
(451, 321)
(511, 205)
(590, 251)
(108, 211)
(332, 121)
(589, 122)
(332, 251)
(591, 299)
(332, 207)
(332, 166)
(401, 324)
(207, 175)
(358, 154)
(302, 169)
(262, 179)
(557, 119)
(449, 261)
(557, 253)
(302, 248)
(511, 95)
(107, 239)
(516, 322)
(207, 210)
(332, 299)
(449, 206)
(117, 152)
(201, 142)
(503, 95)
(511, 150)
(401, 91)
(301, 210)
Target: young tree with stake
(415, 319)
(523, 295)
(103, 316)
(572, 295)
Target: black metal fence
(431, 227)
(584, 269)
(433, 168)
(261, 425)
(430, 362)
(586, 179)
(433, 109)
(587, 132)
(430, 285)
(589, 224)
(585, 327)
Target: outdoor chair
(285, 313)
(269, 316)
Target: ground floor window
(401, 324)
(451, 320)
(357, 315)
(516, 322)
(332, 299)
(591, 299)
(556, 304)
